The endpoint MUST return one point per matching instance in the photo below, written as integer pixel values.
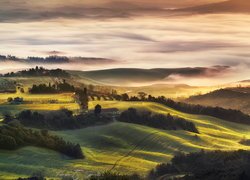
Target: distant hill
(53, 59)
(234, 98)
(38, 72)
(140, 77)
(230, 6)
(156, 82)
(125, 75)
(245, 81)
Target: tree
(91, 88)
(98, 109)
(7, 117)
(22, 90)
(82, 98)
(142, 95)
(44, 132)
(10, 99)
(125, 97)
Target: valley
(116, 146)
(104, 145)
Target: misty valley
(55, 126)
(124, 90)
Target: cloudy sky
(136, 34)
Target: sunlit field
(41, 102)
(104, 145)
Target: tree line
(230, 115)
(34, 59)
(57, 120)
(38, 71)
(14, 136)
(49, 59)
(218, 112)
(213, 165)
(81, 95)
(57, 87)
(159, 121)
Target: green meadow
(133, 148)
(41, 102)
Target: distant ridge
(124, 76)
(234, 98)
(245, 81)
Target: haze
(134, 34)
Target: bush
(58, 120)
(157, 120)
(114, 176)
(13, 137)
(207, 166)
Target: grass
(104, 145)
(37, 102)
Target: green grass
(104, 145)
(38, 102)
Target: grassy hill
(132, 81)
(234, 98)
(174, 91)
(136, 76)
(126, 76)
(104, 145)
(37, 102)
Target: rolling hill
(156, 82)
(125, 76)
(136, 77)
(104, 145)
(234, 98)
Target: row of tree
(225, 114)
(159, 121)
(33, 59)
(49, 59)
(215, 165)
(218, 112)
(14, 136)
(38, 71)
(58, 87)
(57, 120)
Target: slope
(234, 98)
(106, 145)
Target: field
(134, 148)
(37, 102)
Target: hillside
(174, 91)
(136, 76)
(229, 6)
(234, 98)
(125, 76)
(156, 82)
(104, 145)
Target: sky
(131, 34)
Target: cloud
(53, 53)
(32, 10)
(202, 72)
(93, 61)
(228, 6)
(189, 46)
(25, 14)
(25, 11)
(132, 36)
